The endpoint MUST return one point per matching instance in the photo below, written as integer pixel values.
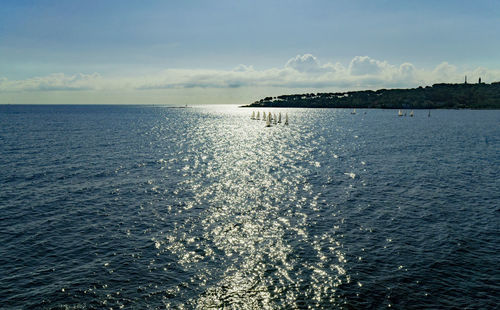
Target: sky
(236, 52)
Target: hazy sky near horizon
(238, 51)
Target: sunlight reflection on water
(253, 247)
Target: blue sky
(183, 51)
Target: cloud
(364, 65)
(407, 71)
(301, 71)
(308, 63)
(444, 71)
(304, 63)
(243, 68)
(484, 74)
(54, 82)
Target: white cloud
(364, 65)
(53, 82)
(308, 63)
(304, 63)
(445, 72)
(484, 74)
(407, 71)
(243, 68)
(301, 71)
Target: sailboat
(279, 118)
(268, 121)
(400, 113)
(269, 117)
(275, 119)
(258, 115)
(429, 115)
(286, 119)
(353, 111)
(253, 115)
(411, 113)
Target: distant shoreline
(480, 96)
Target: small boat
(258, 115)
(253, 115)
(286, 119)
(269, 117)
(275, 119)
(268, 122)
(353, 111)
(429, 115)
(411, 113)
(279, 118)
(400, 113)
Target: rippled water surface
(153, 207)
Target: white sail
(279, 118)
(268, 121)
(253, 115)
(286, 119)
(411, 113)
(400, 113)
(353, 111)
(258, 114)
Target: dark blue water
(152, 207)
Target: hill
(437, 96)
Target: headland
(437, 96)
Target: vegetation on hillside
(437, 96)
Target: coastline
(479, 96)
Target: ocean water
(135, 207)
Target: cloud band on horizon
(301, 71)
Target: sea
(157, 207)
